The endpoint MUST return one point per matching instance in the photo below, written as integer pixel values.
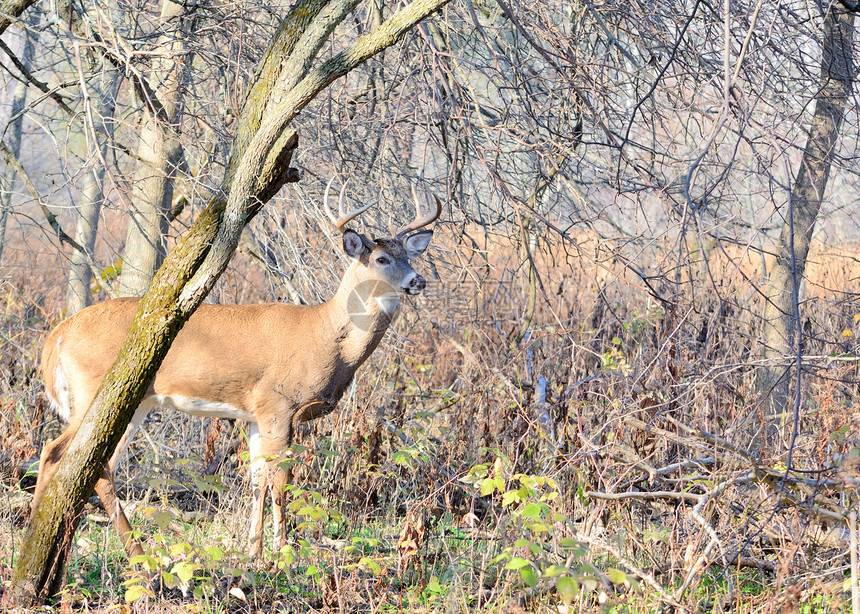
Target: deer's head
(381, 267)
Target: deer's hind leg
(53, 452)
(106, 486)
(48, 462)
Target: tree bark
(180, 285)
(78, 295)
(158, 155)
(781, 317)
(299, 38)
(11, 9)
(16, 124)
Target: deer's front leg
(276, 448)
(268, 442)
(106, 490)
(279, 481)
(259, 489)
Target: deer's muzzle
(416, 285)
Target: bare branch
(11, 160)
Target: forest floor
(590, 459)
(396, 561)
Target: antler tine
(419, 221)
(343, 217)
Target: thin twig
(52, 94)
(13, 161)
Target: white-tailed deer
(273, 365)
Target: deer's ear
(416, 243)
(354, 244)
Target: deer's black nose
(416, 285)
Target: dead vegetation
(628, 400)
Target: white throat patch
(388, 302)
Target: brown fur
(280, 364)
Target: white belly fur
(201, 407)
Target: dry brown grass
(646, 401)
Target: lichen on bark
(180, 285)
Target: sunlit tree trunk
(13, 142)
(781, 314)
(179, 287)
(158, 155)
(78, 295)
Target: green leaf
(497, 558)
(162, 519)
(478, 471)
(184, 571)
(169, 579)
(488, 485)
(147, 562)
(528, 576)
(403, 459)
(433, 586)
(567, 588)
(135, 592)
(531, 510)
(516, 563)
(373, 565)
(523, 543)
(554, 570)
(589, 583)
(538, 527)
(572, 546)
(180, 549)
(512, 496)
(214, 552)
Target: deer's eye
(382, 260)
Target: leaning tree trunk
(180, 285)
(158, 155)
(781, 317)
(11, 9)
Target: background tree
(617, 181)
(782, 333)
(13, 130)
(100, 114)
(181, 285)
(159, 152)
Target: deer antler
(343, 217)
(419, 221)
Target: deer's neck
(360, 313)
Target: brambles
(633, 492)
(573, 396)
